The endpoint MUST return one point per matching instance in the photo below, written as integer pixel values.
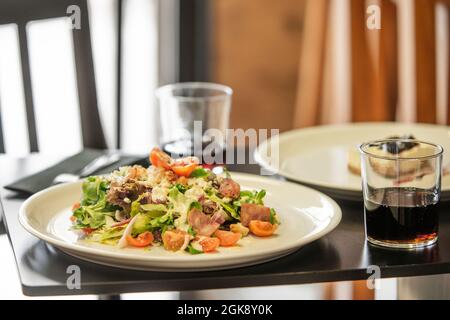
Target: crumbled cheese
(159, 194)
(202, 183)
(158, 177)
(196, 192)
(181, 223)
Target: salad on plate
(175, 203)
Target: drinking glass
(193, 114)
(401, 180)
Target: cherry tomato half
(184, 171)
(227, 238)
(142, 240)
(173, 240)
(209, 244)
(75, 206)
(261, 228)
(185, 166)
(88, 230)
(160, 159)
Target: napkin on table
(43, 179)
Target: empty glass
(401, 181)
(193, 114)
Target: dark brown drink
(401, 216)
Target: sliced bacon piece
(218, 217)
(208, 206)
(201, 223)
(229, 188)
(250, 211)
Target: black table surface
(341, 255)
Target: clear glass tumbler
(401, 180)
(193, 113)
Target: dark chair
(20, 12)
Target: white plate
(305, 214)
(317, 156)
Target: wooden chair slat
(362, 73)
(425, 60)
(386, 90)
(311, 64)
(448, 66)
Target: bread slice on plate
(391, 168)
(354, 161)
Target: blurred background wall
(291, 63)
(256, 50)
(298, 63)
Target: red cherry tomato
(142, 240)
(227, 238)
(173, 240)
(88, 230)
(184, 166)
(261, 228)
(209, 244)
(160, 159)
(184, 171)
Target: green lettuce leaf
(199, 173)
(164, 222)
(94, 190)
(192, 250)
(108, 234)
(274, 217)
(94, 207)
(246, 196)
(181, 188)
(154, 210)
(229, 208)
(180, 206)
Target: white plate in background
(317, 156)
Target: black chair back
(21, 12)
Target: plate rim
(129, 257)
(352, 192)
